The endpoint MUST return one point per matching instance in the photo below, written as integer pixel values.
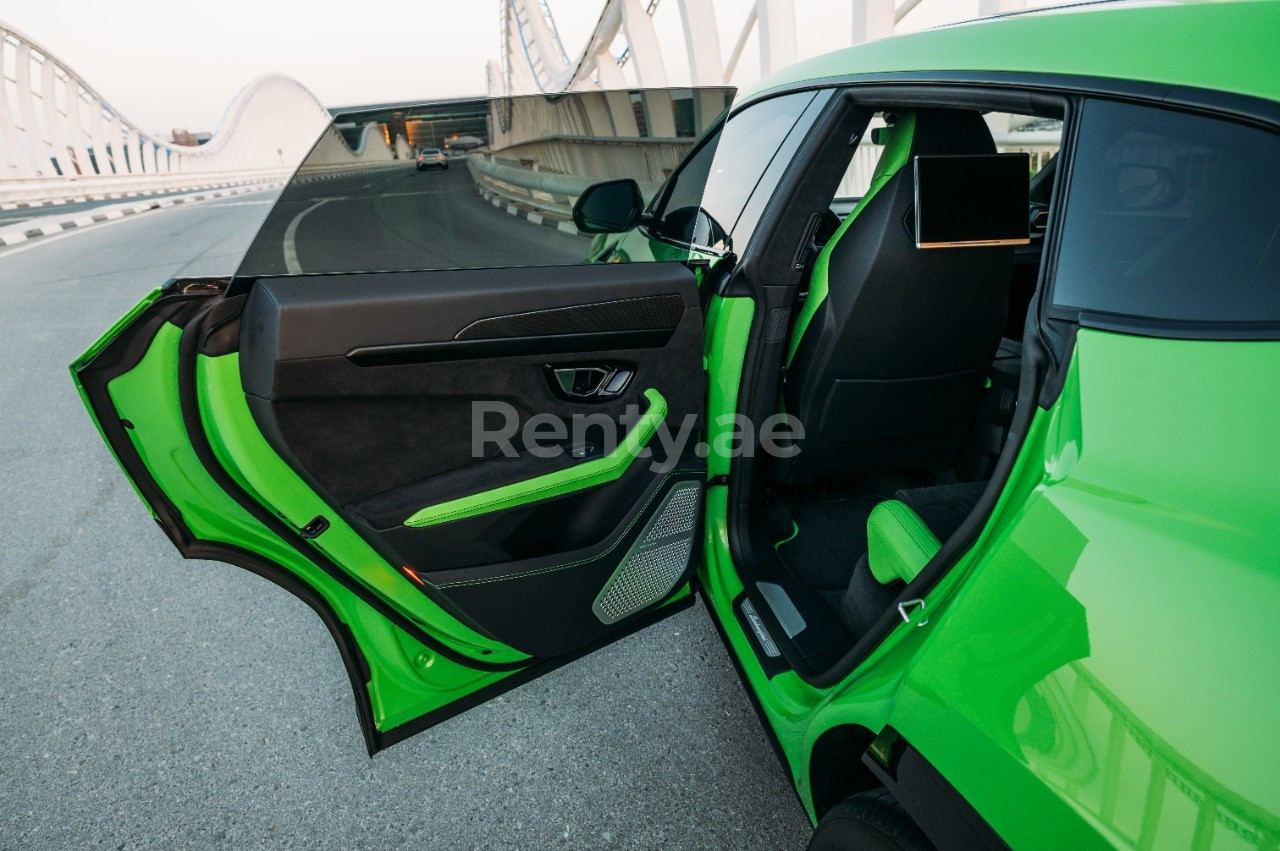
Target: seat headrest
(928, 131)
(950, 131)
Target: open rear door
(422, 408)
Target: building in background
(186, 137)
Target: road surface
(151, 702)
(396, 218)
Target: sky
(178, 65)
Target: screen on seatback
(972, 200)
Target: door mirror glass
(1147, 187)
(613, 206)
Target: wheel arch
(836, 770)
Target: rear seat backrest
(890, 349)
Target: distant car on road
(432, 158)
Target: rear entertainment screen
(972, 200)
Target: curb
(109, 196)
(537, 217)
(22, 233)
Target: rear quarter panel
(1107, 674)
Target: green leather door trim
(899, 545)
(896, 154)
(586, 475)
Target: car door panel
(387, 443)
(298, 334)
(321, 429)
(165, 388)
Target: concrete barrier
(555, 193)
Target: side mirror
(610, 207)
(1147, 187)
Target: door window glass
(472, 183)
(1171, 216)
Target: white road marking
(291, 263)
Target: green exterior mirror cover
(899, 545)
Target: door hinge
(315, 528)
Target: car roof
(1230, 47)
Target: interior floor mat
(831, 536)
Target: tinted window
(706, 197)
(1171, 216)
(359, 203)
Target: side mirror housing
(610, 207)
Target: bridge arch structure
(624, 50)
(61, 140)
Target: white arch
(60, 138)
(532, 58)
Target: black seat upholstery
(890, 350)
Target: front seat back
(890, 350)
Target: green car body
(1093, 663)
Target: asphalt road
(399, 218)
(151, 702)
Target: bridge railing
(39, 190)
(61, 140)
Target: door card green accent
(580, 477)
(242, 450)
(405, 679)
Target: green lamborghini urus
(944, 371)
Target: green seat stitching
(896, 154)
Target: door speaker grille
(655, 562)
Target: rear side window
(1171, 216)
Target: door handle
(600, 381)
